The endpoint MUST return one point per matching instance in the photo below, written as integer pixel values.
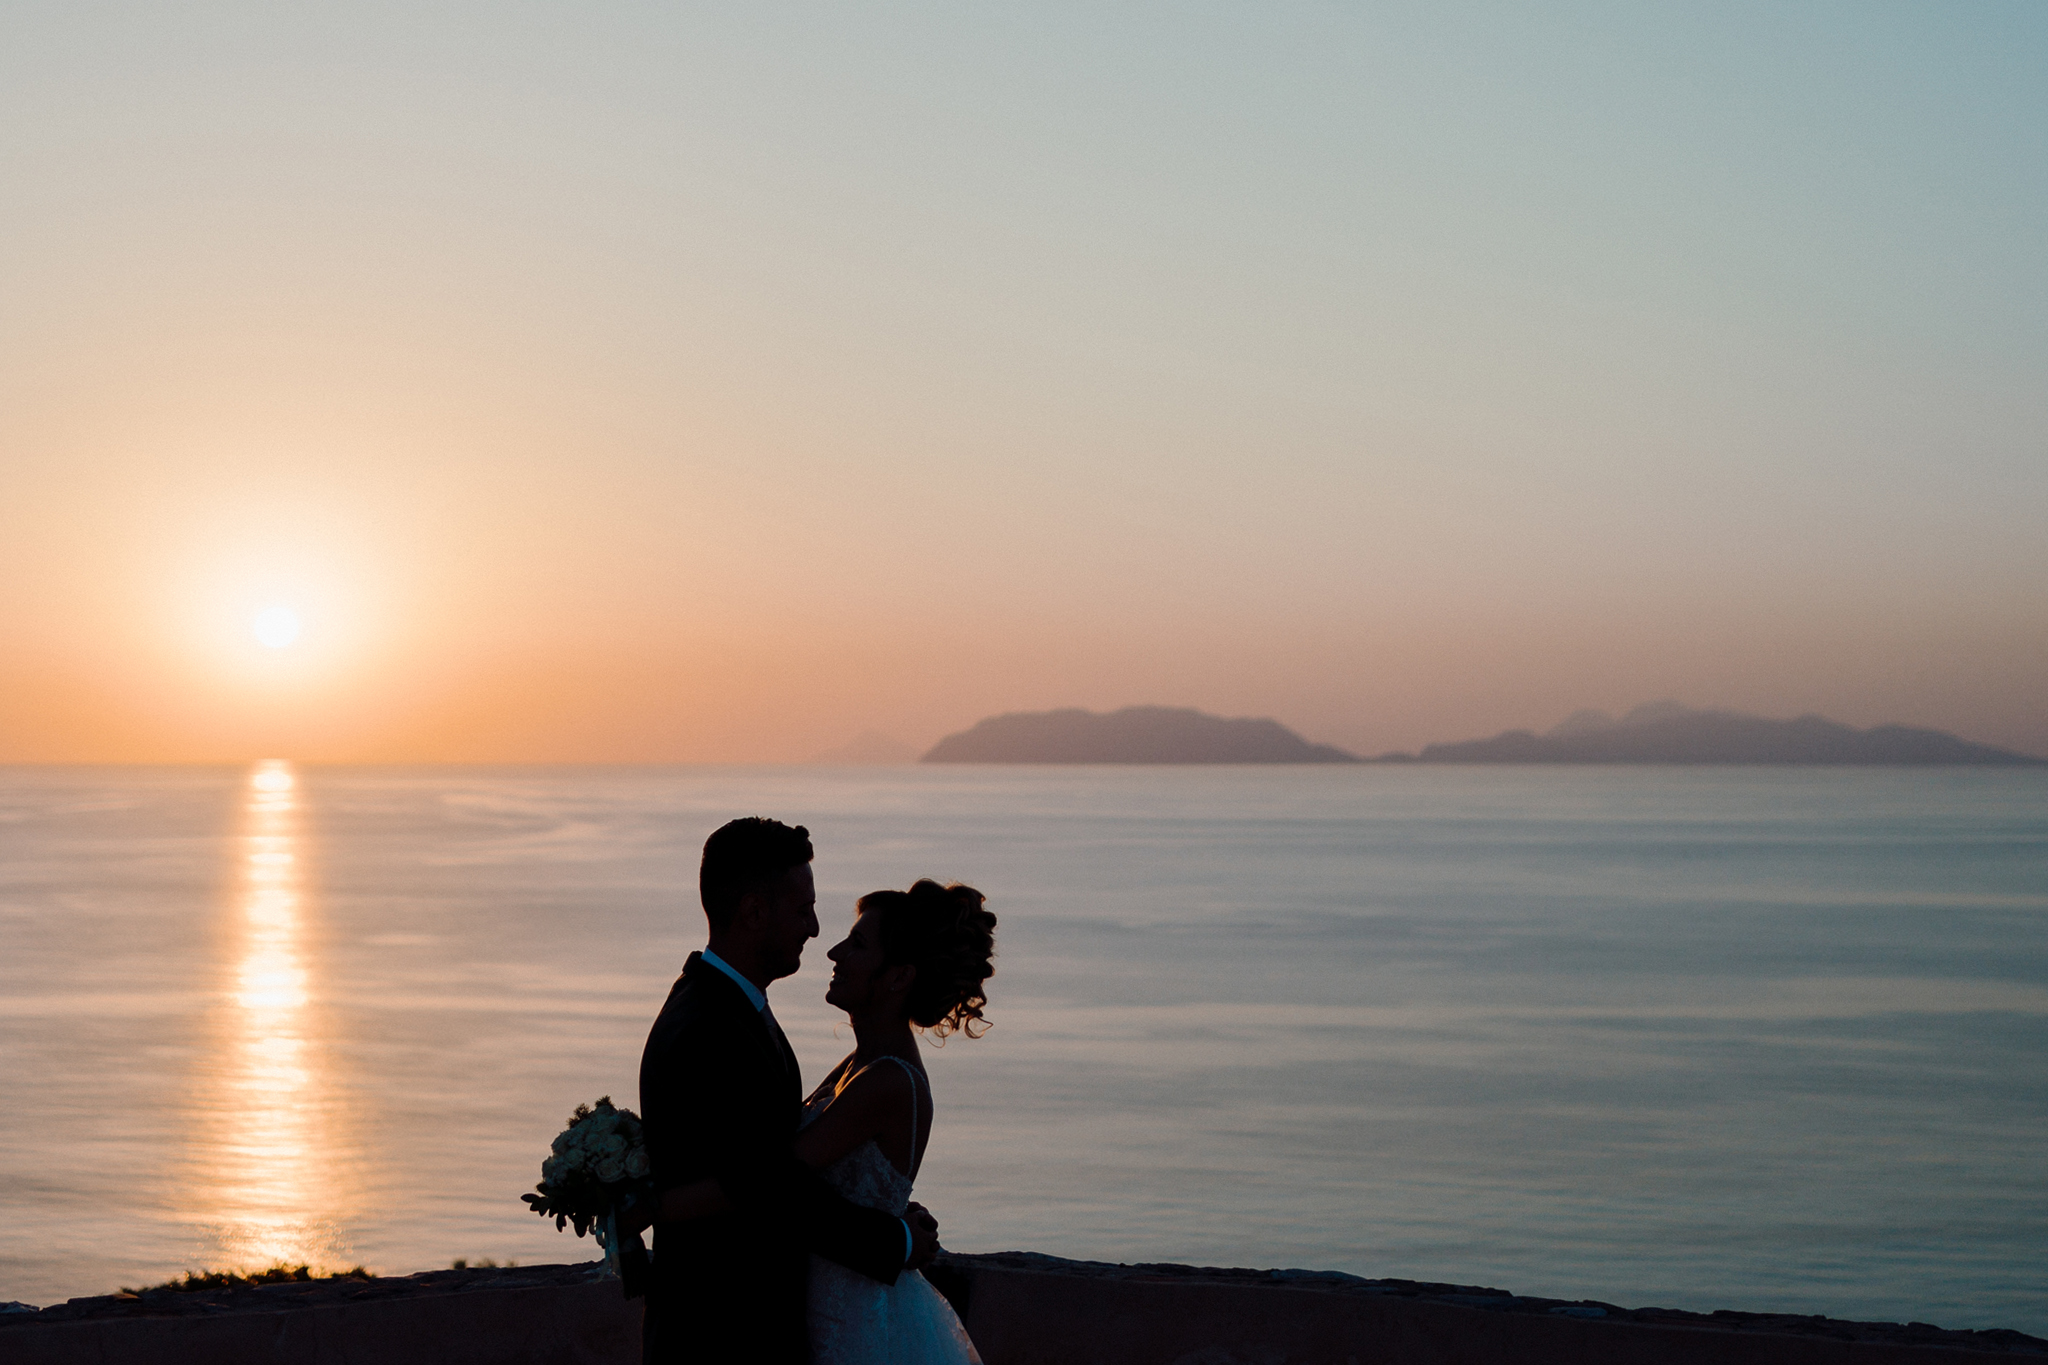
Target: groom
(721, 1097)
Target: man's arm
(704, 1199)
(773, 1185)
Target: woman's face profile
(856, 964)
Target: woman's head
(932, 944)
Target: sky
(713, 383)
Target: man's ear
(746, 915)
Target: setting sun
(276, 627)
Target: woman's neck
(878, 1035)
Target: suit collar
(756, 997)
(697, 970)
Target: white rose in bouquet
(597, 1163)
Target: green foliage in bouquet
(598, 1162)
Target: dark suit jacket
(721, 1097)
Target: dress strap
(915, 1080)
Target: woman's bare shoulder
(835, 1075)
(879, 1082)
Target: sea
(1765, 1039)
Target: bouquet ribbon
(625, 1256)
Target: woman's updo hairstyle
(945, 933)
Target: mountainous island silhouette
(1136, 734)
(1659, 732)
(1666, 732)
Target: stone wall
(547, 1315)
(1034, 1310)
(1020, 1308)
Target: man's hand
(636, 1215)
(924, 1236)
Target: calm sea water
(1699, 1038)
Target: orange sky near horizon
(716, 387)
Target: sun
(276, 627)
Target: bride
(914, 960)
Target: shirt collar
(755, 995)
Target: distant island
(1136, 734)
(1666, 732)
(1659, 732)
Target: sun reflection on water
(270, 1154)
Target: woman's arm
(675, 1205)
(699, 1199)
(874, 1104)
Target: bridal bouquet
(599, 1163)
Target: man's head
(755, 883)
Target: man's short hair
(740, 856)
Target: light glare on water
(264, 1174)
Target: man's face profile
(789, 918)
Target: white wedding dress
(858, 1321)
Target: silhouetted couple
(785, 1232)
